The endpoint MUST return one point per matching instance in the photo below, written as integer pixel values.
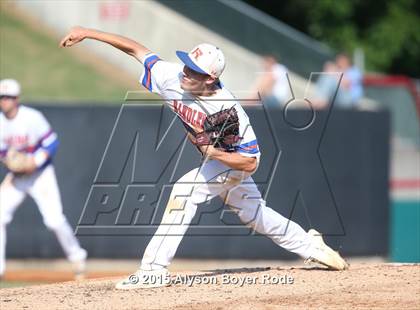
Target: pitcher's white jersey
(28, 132)
(164, 79)
(213, 178)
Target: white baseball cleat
(324, 255)
(145, 279)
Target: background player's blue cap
(204, 58)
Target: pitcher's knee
(188, 192)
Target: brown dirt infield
(364, 286)
(45, 276)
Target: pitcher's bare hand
(76, 35)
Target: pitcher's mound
(370, 286)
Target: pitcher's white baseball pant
(240, 193)
(42, 187)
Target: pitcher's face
(193, 81)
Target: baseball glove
(221, 130)
(17, 162)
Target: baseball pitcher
(217, 124)
(27, 147)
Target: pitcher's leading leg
(162, 247)
(197, 186)
(252, 210)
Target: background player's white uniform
(213, 178)
(31, 133)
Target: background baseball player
(27, 146)
(193, 91)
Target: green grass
(46, 72)
(9, 284)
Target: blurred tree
(387, 30)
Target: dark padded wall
(331, 175)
